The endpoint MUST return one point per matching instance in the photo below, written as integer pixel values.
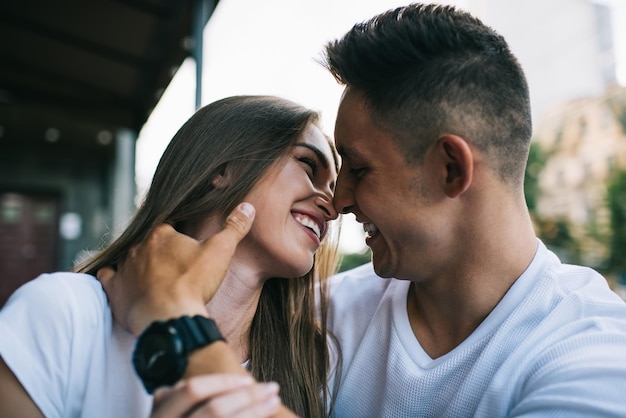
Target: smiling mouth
(370, 229)
(308, 223)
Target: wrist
(139, 318)
(162, 351)
(214, 358)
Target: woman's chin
(301, 269)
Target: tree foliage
(351, 260)
(555, 233)
(536, 160)
(616, 202)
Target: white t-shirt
(58, 337)
(554, 346)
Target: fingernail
(247, 209)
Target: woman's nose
(325, 202)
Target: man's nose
(344, 198)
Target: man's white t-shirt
(58, 337)
(554, 346)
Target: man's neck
(445, 310)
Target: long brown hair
(288, 339)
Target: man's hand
(171, 274)
(218, 395)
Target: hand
(218, 395)
(171, 274)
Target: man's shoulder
(586, 288)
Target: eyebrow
(318, 153)
(349, 153)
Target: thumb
(217, 252)
(239, 222)
(224, 243)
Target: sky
(270, 47)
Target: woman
(264, 150)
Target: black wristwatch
(161, 351)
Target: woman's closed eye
(310, 163)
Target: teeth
(309, 223)
(370, 229)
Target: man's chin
(382, 268)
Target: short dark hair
(425, 70)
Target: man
(480, 319)
(477, 317)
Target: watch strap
(197, 331)
(176, 338)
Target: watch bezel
(172, 363)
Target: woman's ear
(221, 180)
(459, 159)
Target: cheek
(266, 224)
(265, 204)
(367, 197)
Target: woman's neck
(234, 305)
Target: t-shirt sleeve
(44, 329)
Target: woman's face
(293, 202)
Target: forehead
(312, 135)
(356, 134)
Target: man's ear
(459, 159)
(222, 179)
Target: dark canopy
(84, 67)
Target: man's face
(392, 198)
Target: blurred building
(565, 46)
(584, 141)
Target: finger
(237, 225)
(259, 400)
(105, 275)
(217, 252)
(265, 409)
(185, 395)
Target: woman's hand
(218, 395)
(171, 274)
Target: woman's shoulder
(60, 294)
(61, 320)
(63, 285)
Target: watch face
(158, 355)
